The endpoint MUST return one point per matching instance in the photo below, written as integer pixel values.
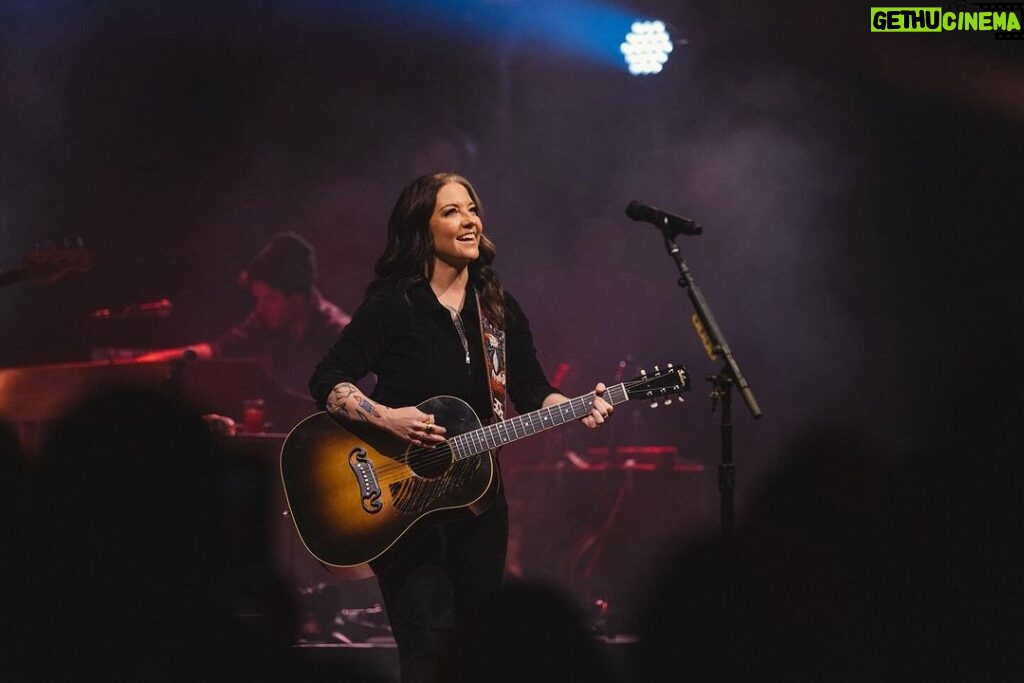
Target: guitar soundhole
(429, 463)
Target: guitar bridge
(366, 475)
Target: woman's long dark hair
(408, 257)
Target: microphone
(668, 223)
(161, 308)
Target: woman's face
(456, 227)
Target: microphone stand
(722, 383)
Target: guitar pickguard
(416, 495)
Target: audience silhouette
(135, 548)
(850, 564)
(140, 565)
(530, 632)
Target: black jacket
(415, 350)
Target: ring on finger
(428, 428)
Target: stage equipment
(600, 520)
(646, 47)
(324, 618)
(49, 263)
(715, 344)
(666, 222)
(160, 308)
(33, 397)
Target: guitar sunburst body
(357, 494)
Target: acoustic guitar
(358, 495)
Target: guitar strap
(493, 337)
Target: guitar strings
(398, 467)
(444, 451)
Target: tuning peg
(667, 402)
(654, 404)
(656, 369)
(643, 373)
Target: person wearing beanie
(291, 324)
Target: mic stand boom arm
(722, 386)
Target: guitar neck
(521, 426)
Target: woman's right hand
(413, 425)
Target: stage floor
(378, 661)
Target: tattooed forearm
(346, 389)
(367, 409)
(347, 401)
(336, 399)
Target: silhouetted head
(131, 571)
(531, 632)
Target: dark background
(859, 194)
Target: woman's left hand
(599, 414)
(601, 411)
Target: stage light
(646, 48)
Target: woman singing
(419, 330)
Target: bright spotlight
(646, 48)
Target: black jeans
(431, 591)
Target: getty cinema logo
(1003, 19)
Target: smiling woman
(436, 323)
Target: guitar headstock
(49, 263)
(661, 385)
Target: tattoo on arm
(339, 396)
(367, 408)
(336, 399)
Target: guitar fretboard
(521, 426)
